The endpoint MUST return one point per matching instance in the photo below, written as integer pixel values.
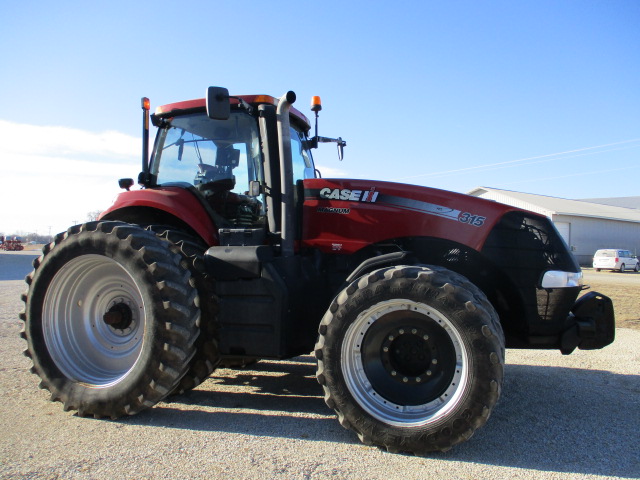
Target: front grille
(524, 246)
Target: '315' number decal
(474, 220)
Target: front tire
(622, 268)
(411, 358)
(110, 319)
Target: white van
(615, 259)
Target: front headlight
(557, 279)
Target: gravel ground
(560, 417)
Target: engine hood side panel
(344, 215)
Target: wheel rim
(405, 363)
(93, 320)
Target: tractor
(11, 245)
(235, 249)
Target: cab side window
(302, 162)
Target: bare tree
(91, 216)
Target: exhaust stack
(286, 173)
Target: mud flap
(593, 324)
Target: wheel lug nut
(425, 337)
(434, 361)
(385, 349)
(414, 331)
(394, 373)
(405, 379)
(418, 379)
(401, 331)
(428, 373)
(390, 337)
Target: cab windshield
(199, 151)
(219, 158)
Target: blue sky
(533, 96)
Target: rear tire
(207, 356)
(110, 319)
(411, 358)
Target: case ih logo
(350, 195)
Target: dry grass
(37, 246)
(625, 296)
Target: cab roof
(199, 104)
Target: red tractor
(11, 245)
(236, 249)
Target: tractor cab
(220, 160)
(224, 160)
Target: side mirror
(218, 105)
(313, 143)
(341, 145)
(255, 188)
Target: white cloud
(51, 176)
(64, 141)
(330, 172)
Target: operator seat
(216, 182)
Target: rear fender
(176, 202)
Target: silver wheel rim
(84, 343)
(373, 402)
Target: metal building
(585, 225)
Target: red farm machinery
(235, 248)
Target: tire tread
(178, 329)
(427, 280)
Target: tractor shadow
(271, 399)
(548, 418)
(265, 386)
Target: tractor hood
(345, 215)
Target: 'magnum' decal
(342, 211)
